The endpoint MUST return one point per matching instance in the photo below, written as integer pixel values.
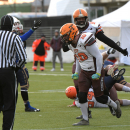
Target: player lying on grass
(121, 84)
(87, 54)
(71, 93)
(22, 73)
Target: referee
(10, 44)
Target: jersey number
(90, 104)
(83, 36)
(89, 97)
(81, 57)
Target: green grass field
(47, 92)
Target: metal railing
(48, 31)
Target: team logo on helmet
(68, 32)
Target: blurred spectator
(56, 45)
(40, 47)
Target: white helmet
(17, 26)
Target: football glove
(75, 76)
(111, 51)
(96, 76)
(37, 24)
(125, 52)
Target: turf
(46, 92)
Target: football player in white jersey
(86, 52)
(81, 20)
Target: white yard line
(49, 91)
(49, 74)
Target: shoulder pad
(89, 39)
(96, 25)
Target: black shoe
(118, 110)
(82, 122)
(29, 108)
(112, 111)
(89, 114)
(118, 74)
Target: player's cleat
(29, 108)
(112, 69)
(42, 68)
(118, 74)
(52, 69)
(118, 110)
(62, 69)
(112, 111)
(82, 122)
(89, 114)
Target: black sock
(24, 95)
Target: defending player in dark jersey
(22, 74)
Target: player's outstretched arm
(111, 43)
(36, 25)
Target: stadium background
(54, 15)
(47, 89)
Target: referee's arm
(20, 51)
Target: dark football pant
(8, 96)
(22, 78)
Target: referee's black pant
(8, 96)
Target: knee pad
(82, 97)
(102, 99)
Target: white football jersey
(93, 28)
(91, 101)
(85, 59)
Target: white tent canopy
(63, 7)
(119, 18)
(125, 40)
(114, 18)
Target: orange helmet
(68, 32)
(71, 92)
(80, 13)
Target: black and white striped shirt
(10, 44)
